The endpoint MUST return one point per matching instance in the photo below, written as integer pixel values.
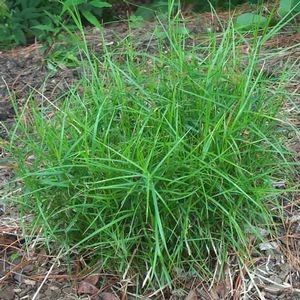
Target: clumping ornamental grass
(155, 163)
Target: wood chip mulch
(27, 271)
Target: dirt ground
(28, 271)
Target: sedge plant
(155, 163)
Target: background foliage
(23, 21)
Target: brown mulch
(23, 71)
(27, 271)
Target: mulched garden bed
(28, 271)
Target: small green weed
(157, 163)
(287, 8)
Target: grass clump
(156, 163)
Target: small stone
(29, 282)
(268, 246)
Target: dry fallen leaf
(85, 288)
(92, 279)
